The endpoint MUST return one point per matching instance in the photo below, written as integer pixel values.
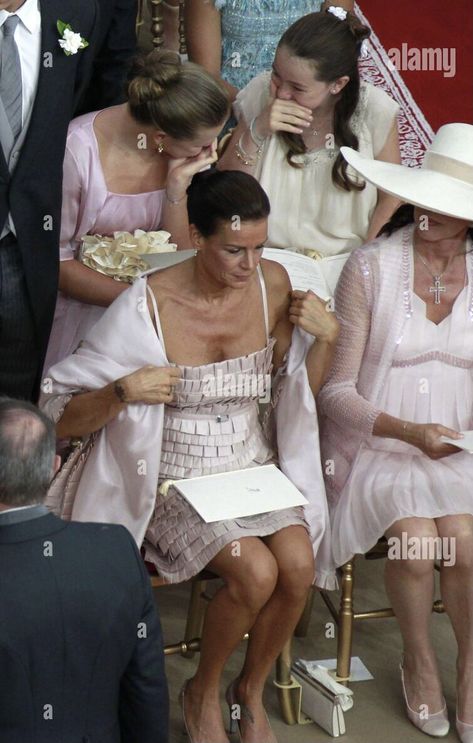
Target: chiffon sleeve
(339, 398)
(253, 98)
(72, 206)
(381, 113)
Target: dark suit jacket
(80, 643)
(116, 45)
(33, 192)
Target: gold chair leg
(287, 690)
(303, 624)
(345, 624)
(195, 614)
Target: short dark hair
(216, 196)
(27, 449)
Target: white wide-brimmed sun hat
(444, 183)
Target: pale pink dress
(204, 433)
(430, 380)
(89, 208)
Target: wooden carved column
(182, 28)
(157, 28)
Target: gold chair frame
(345, 617)
(195, 614)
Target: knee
(457, 548)
(296, 579)
(413, 553)
(255, 583)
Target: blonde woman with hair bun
(128, 167)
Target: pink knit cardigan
(373, 302)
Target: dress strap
(265, 300)
(159, 329)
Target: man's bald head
(27, 450)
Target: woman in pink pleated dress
(168, 382)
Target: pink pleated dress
(430, 381)
(212, 426)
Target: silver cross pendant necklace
(437, 289)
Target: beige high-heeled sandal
(244, 712)
(436, 724)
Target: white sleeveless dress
(430, 381)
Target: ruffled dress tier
(430, 381)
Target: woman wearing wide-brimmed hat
(401, 380)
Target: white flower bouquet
(123, 256)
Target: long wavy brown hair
(333, 47)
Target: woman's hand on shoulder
(181, 170)
(282, 116)
(150, 384)
(312, 314)
(427, 438)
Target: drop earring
(160, 147)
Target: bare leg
(250, 574)
(410, 587)
(275, 624)
(457, 594)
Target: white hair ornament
(338, 12)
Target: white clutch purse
(319, 703)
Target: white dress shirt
(28, 40)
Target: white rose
(71, 42)
(338, 12)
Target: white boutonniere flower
(70, 41)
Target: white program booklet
(465, 443)
(232, 495)
(306, 273)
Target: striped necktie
(10, 75)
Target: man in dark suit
(116, 45)
(41, 84)
(81, 657)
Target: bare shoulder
(169, 279)
(167, 283)
(278, 285)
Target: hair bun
(357, 28)
(151, 75)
